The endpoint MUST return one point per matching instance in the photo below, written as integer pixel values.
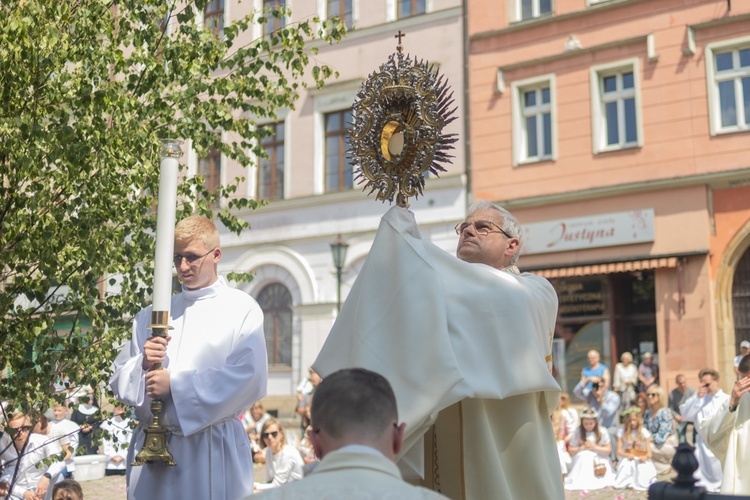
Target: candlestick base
(155, 442)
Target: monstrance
(397, 130)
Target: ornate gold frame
(397, 130)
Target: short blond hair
(197, 227)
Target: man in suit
(356, 434)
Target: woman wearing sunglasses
(283, 461)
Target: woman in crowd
(283, 461)
(625, 380)
(561, 437)
(569, 415)
(590, 447)
(253, 420)
(87, 416)
(634, 467)
(641, 401)
(659, 420)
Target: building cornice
(406, 24)
(720, 21)
(356, 194)
(716, 180)
(552, 18)
(574, 53)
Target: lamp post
(338, 251)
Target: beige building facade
(313, 198)
(619, 133)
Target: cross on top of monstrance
(397, 130)
(399, 35)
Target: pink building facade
(619, 133)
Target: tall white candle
(169, 167)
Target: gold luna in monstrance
(397, 130)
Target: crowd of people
(37, 450)
(627, 433)
(624, 437)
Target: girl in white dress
(590, 447)
(634, 468)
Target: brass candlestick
(155, 443)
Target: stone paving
(113, 488)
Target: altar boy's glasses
(190, 258)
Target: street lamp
(338, 251)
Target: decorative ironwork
(397, 130)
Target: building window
(533, 127)
(343, 10)
(616, 109)
(729, 95)
(409, 8)
(273, 23)
(213, 17)
(338, 169)
(276, 303)
(529, 9)
(209, 168)
(271, 171)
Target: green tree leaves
(87, 89)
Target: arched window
(741, 300)
(276, 302)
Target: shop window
(610, 313)
(728, 70)
(276, 303)
(741, 300)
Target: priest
(727, 434)
(466, 344)
(214, 367)
(699, 408)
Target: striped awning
(607, 267)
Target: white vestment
(463, 339)
(698, 410)
(218, 368)
(353, 472)
(118, 441)
(727, 434)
